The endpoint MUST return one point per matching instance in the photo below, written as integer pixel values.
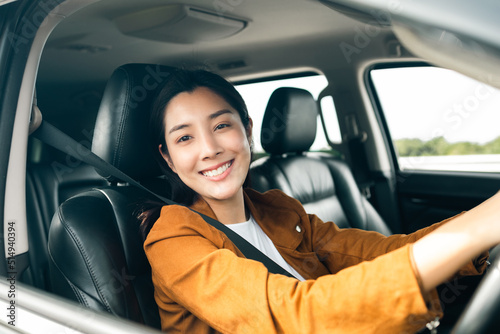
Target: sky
(430, 102)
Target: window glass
(439, 119)
(331, 120)
(256, 96)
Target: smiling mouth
(218, 171)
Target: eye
(183, 138)
(222, 126)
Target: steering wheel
(482, 314)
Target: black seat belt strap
(52, 136)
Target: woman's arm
(440, 254)
(342, 248)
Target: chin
(224, 195)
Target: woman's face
(208, 146)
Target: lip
(221, 176)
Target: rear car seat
(324, 185)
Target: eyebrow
(220, 112)
(211, 116)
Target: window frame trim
(378, 110)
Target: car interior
(96, 72)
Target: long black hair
(180, 81)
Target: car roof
(278, 36)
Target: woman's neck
(230, 211)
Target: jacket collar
(201, 206)
(275, 218)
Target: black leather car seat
(47, 186)
(323, 184)
(94, 240)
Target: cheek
(240, 141)
(242, 147)
(181, 158)
(246, 147)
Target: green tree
(412, 147)
(493, 147)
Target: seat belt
(52, 136)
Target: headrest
(289, 123)
(121, 129)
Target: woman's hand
(440, 254)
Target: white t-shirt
(251, 232)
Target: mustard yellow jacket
(356, 281)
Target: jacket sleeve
(342, 248)
(236, 295)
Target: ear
(249, 129)
(166, 157)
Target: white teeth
(217, 171)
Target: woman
(346, 280)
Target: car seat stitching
(118, 147)
(78, 294)
(87, 262)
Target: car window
(257, 94)
(439, 119)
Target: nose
(210, 146)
